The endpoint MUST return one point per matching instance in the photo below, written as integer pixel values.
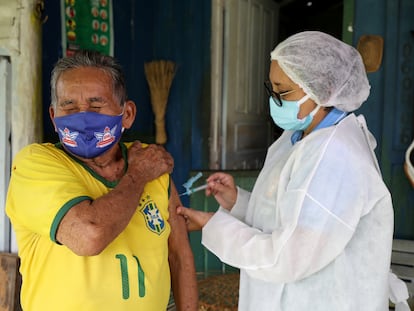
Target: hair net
(329, 70)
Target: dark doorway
(301, 15)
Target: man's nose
(84, 107)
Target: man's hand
(148, 163)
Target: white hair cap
(327, 69)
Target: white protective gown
(316, 232)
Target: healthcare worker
(316, 231)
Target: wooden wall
(390, 108)
(180, 31)
(145, 31)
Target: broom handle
(160, 133)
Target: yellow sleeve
(44, 184)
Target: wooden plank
(402, 262)
(406, 246)
(10, 282)
(5, 148)
(403, 272)
(402, 258)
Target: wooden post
(10, 282)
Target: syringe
(196, 189)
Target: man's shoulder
(39, 150)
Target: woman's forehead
(278, 76)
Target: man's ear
(52, 117)
(130, 111)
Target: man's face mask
(286, 116)
(88, 134)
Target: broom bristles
(159, 75)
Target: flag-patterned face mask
(88, 134)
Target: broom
(159, 74)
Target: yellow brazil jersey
(132, 273)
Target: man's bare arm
(90, 226)
(181, 259)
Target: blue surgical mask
(88, 134)
(286, 116)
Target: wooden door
(243, 35)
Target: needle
(190, 191)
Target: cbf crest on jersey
(153, 217)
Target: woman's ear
(130, 111)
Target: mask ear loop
(123, 110)
(121, 114)
(305, 98)
(314, 111)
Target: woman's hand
(195, 220)
(222, 187)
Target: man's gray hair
(90, 59)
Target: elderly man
(95, 218)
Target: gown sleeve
(239, 209)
